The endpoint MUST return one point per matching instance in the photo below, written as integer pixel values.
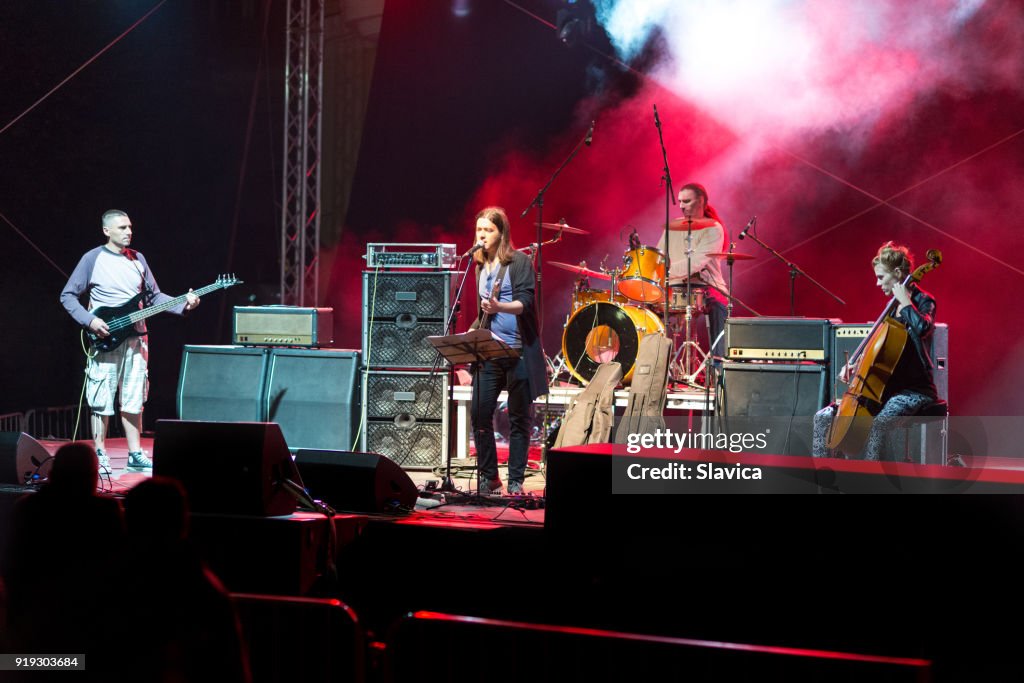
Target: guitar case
(645, 409)
(591, 414)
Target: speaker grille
(222, 383)
(417, 445)
(390, 394)
(314, 396)
(421, 295)
(402, 343)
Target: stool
(927, 438)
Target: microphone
(476, 248)
(590, 135)
(753, 221)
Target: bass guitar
(121, 319)
(875, 361)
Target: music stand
(475, 346)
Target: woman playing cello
(911, 386)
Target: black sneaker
(138, 462)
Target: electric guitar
(121, 319)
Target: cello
(875, 360)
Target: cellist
(912, 386)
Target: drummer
(708, 235)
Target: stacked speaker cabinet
(405, 399)
(313, 394)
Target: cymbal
(734, 256)
(580, 270)
(682, 223)
(565, 228)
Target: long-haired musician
(505, 287)
(707, 234)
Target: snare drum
(643, 274)
(677, 299)
(585, 297)
(604, 332)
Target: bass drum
(604, 332)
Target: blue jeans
(490, 379)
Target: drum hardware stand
(683, 367)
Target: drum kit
(607, 323)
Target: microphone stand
(538, 201)
(447, 485)
(670, 198)
(538, 298)
(794, 270)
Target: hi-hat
(564, 228)
(726, 255)
(580, 270)
(683, 223)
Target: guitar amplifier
(782, 338)
(283, 326)
(847, 337)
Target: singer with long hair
(505, 305)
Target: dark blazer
(524, 281)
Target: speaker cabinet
(314, 396)
(400, 310)
(227, 467)
(22, 459)
(356, 482)
(777, 400)
(402, 343)
(222, 383)
(407, 417)
(846, 338)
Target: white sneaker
(104, 468)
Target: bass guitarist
(911, 387)
(112, 275)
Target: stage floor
(457, 509)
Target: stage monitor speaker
(314, 395)
(227, 467)
(356, 482)
(223, 383)
(846, 339)
(777, 400)
(23, 460)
